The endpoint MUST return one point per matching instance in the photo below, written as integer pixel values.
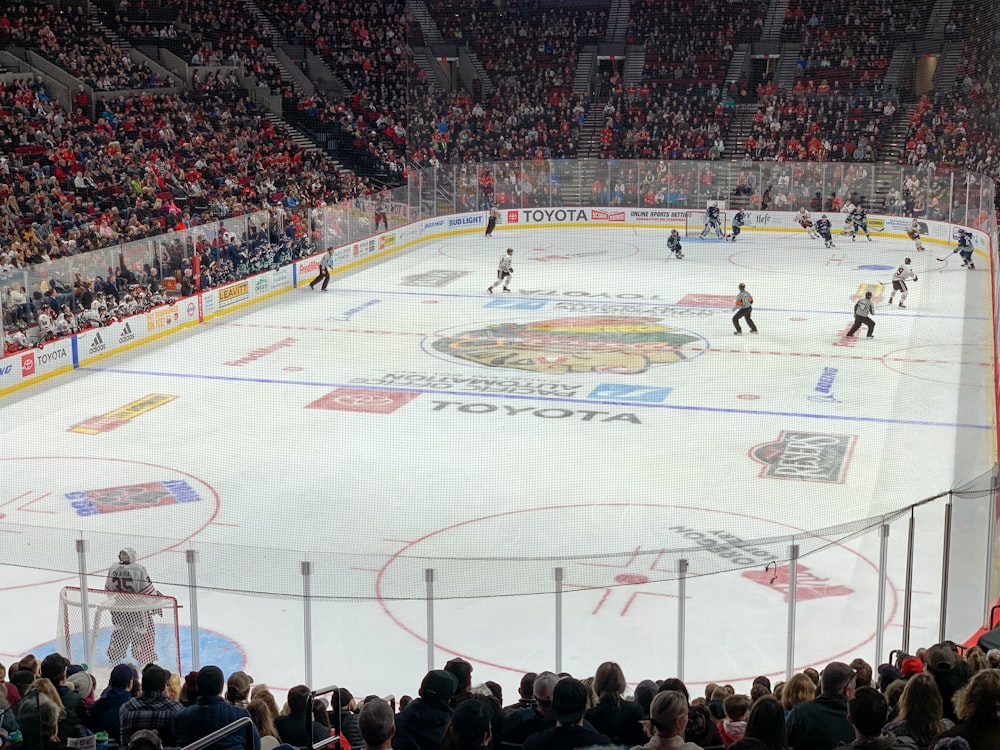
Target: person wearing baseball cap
(569, 703)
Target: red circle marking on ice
(169, 548)
(384, 602)
(748, 396)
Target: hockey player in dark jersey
(825, 230)
(739, 220)
(965, 248)
(859, 222)
(713, 222)
(674, 243)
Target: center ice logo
(623, 345)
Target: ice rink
(601, 417)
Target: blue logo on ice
(823, 392)
(876, 268)
(517, 304)
(617, 392)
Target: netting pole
(883, 558)
(991, 525)
(429, 581)
(945, 555)
(908, 591)
(793, 574)
(307, 619)
(559, 619)
(191, 557)
(81, 559)
(682, 569)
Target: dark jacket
(565, 738)
(522, 723)
(77, 718)
(104, 713)
(349, 728)
(619, 720)
(421, 725)
(887, 741)
(981, 735)
(819, 724)
(207, 714)
(292, 731)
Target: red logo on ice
(28, 364)
(706, 300)
(808, 585)
(363, 400)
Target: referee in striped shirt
(863, 310)
(743, 307)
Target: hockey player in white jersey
(133, 629)
(848, 229)
(899, 279)
(805, 221)
(504, 270)
(914, 234)
(713, 222)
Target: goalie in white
(131, 629)
(712, 222)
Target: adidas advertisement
(97, 345)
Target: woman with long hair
(260, 714)
(613, 715)
(921, 712)
(766, 723)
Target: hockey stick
(941, 260)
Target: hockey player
(964, 249)
(825, 230)
(914, 234)
(738, 221)
(848, 229)
(133, 629)
(899, 278)
(674, 243)
(504, 270)
(382, 212)
(805, 221)
(16, 340)
(46, 326)
(712, 222)
(859, 222)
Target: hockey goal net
(694, 223)
(121, 627)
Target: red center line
(583, 345)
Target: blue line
(554, 399)
(648, 303)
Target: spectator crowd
(941, 698)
